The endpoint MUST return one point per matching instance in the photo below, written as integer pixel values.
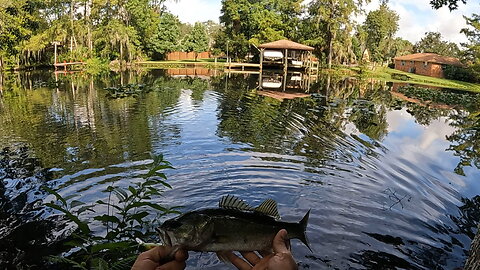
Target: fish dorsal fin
(269, 208)
(235, 203)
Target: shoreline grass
(385, 74)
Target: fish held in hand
(233, 226)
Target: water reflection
(391, 182)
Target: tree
(333, 17)
(381, 25)
(452, 4)
(433, 43)
(249, 22)
(167, 37)
(402, 47)
(197, 40)
(473, 35)
(18, 22)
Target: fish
(235, 225)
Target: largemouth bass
(233, 226)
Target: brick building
(428, 64)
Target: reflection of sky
(425, 146)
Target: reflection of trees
(466, 140)
(309, 127)
(424, 115)
(77, 123)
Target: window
(403, 62)
(425, 64)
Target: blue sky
(416, 16)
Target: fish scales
(219, 229)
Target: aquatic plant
(128, 218)
(461, 99)
(129, 90)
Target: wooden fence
(176, 56)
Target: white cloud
(191, 11)
(416, 16)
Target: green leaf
(58, 196)
(85, 208)
(138, 216)
(132, 190)
(107, 218)
(124, 264)
(81, 225)
(72, 263)
(100, 264)
(76, 203)
(121, 194)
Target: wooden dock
(65, 65)
(242, 66)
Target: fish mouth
(165, 237)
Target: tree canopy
(381, 26)
(433, 43)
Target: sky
(416, 16)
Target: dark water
(391, 184)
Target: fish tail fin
(303, 236)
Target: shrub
(462, 74)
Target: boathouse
(427, 64)
(285, 54)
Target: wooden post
(55, 44)
(261, 60)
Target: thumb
(280, 242)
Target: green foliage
(433, 43)
(333, 17)
(472, 53)
(129, 90)
(131, 214)
(96, 66)
(451, 4)
(461, 74)
(255, 22)
(381, 25)
(197, 39)
(167, 38)
(455, 98)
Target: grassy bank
(207, 63)
(393, 75)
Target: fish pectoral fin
(235, 203)
(268, 207)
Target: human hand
(161, 258)
(281, 259)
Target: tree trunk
(330, 48)
(473, 262)
(121, 53)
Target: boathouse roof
(286, 44)
(431, 58)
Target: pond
(392, 183)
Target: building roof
(286, 44)
(431, 58)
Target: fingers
(251, 257)
(157, 254)
(265, 253)
(235, 260)
(281, 243)
(173, 265)
(181, 255)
